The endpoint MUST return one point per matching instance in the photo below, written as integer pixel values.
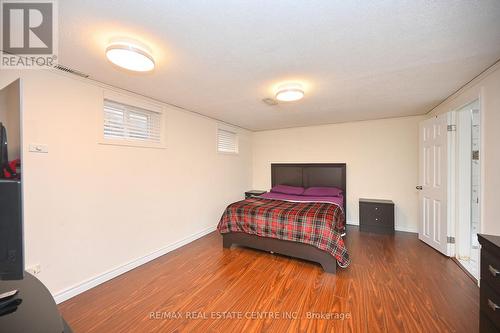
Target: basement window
(126, 124)
(227, 141)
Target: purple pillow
(322, 192)
(285, 189)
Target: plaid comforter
(315, 223)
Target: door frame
(453, 214)
(452, 218)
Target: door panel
(433, 179)
(426, 217)
(437, 221)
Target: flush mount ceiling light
(130, 57)
(290, 92)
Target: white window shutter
(130, 123)
(227, 141)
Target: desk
(38, 312)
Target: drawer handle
(376, 219)
(492, 305)
(376, 208)
(495, 272)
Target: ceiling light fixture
(130, 57)
(290, 92)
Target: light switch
(36, 148)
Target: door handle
(492, 305)
(419, 188)
(495, 272)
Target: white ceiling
(358, 59)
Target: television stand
(33, 308)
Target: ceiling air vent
(70, 70)
(270, 101)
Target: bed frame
(305, 175)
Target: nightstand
(376, 216)
(489, 293)
(253, 193)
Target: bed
(304, 228)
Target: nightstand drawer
(485, 324)
(375, 209)
(490, 270)
(377, 221)
(490, 303)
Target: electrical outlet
(36, 148)
(34, 270)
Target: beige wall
(381, 157)
(487, 89)
(91, 208)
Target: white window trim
(229, 129)
(140, 103)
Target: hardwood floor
(394, 284)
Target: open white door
(433, 182)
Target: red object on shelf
(12, 167)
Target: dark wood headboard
(310, 174)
